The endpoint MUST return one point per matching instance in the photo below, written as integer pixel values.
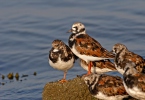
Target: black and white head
(130, 69)
(78, 28)
(91, 80)
(117, 48)
(57, 45)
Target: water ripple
(27, 29)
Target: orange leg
(64, 78)
(89, 68)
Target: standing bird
(99, 67)
(123, 56)
(134, 81)
(85, 47)
(61, 57)
(106, 87)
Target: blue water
(27, 28)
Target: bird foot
(87, 74)
(62, 80)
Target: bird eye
(75, 28)
(115, 49)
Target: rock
(17, 76)
(10, 76)
(74, 89)
(34, 73)
(3, 77)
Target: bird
(99, 67)
(106, 87)
(123, 56)
(61, 57)
(134, 81)
(86, 47)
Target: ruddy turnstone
(106, 87)
(134, 81)
(100, 67)
(85, 47)
(61, 57)
(123, 56)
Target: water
(27, 29)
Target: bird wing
(89, 46)
(111, 86)
(138, 60)
(140, 81)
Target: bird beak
(112, 51)
(69, 31)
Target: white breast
(86, 57)
(100, 95)
(135, 92)
(61, 65)
(95, 69)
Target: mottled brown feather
(123, 56)
(91, 47)
(111, 85)
(101, 64)
(140, 81)
(138, 60)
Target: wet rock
(17, 76)
(25, 76)
(34, 73)
(3, 83)
(74, 89)
(10, 76)
(3, 77)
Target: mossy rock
(74, 89)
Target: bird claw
(87, 74)
(62, 80)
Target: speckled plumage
(61, 57)
(123, 56)
(85, 47)
(102, 66)
(106, 87)
(134, 81)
